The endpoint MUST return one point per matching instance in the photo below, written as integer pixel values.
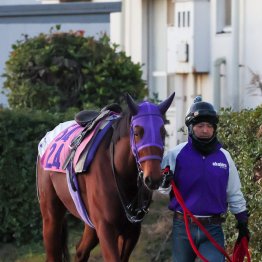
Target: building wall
(252, 51)
(19, 2)
(247, 42)
(230, 51)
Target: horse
(115, 189)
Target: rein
(240, 249)
(136, 209)
(186, 213)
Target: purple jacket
(208, 184)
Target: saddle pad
(49, 136)
(86, 154)
(58, 150)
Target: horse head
(147, 136)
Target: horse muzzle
(152, 184)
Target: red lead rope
(241, 250)
(188, 213)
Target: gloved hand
(242, 231)
(167, 177)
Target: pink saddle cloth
(57, 151)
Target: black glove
(242, 231)
(167, 177)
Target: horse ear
(166, 104)
(131, 104)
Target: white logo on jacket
(220, 164)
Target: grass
(153, 245)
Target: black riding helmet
(201, 112)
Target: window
(224, 13)
(183, 19)
(178, 19)
(228, 4)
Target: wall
(247, 41)
(252, 50)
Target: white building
(196, 47)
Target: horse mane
(121, 126)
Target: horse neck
(124, 161)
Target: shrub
(59, 70)
(237, 131)
(20, 133)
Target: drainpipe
(149, 59)
(235, 54)
(217, 82)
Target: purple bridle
(150, 119)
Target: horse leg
(108, 237)
(117, 247)
(88, 241)
(53, 212)
(53, 240)
(127, 242)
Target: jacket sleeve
(235, 199)
(170, 159)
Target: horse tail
(64, 240)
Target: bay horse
(115, 190)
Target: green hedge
(20, 133)
(238, 132)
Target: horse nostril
(151, 184)
(148, 182)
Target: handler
(208, 181)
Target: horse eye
(138, 132)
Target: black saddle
(113, 108)
(86, 117)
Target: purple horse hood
(150, 119)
